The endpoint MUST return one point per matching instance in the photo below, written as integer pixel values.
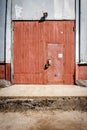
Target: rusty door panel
(69, 53)
(33, 41)
(28, 61)
(56, 67)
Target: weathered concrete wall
(34, 9)
(83, 31)
(8, 33)
(2, 29)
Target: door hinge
(13, 29)
(74, 29)
(13, 76)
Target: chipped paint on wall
(18, 11)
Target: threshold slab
(43, 91)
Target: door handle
(47, 64)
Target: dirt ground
(43, 120)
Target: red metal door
(55, 63)
(28, 50)
(35, 43)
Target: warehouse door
(43, 52)
(55, 63)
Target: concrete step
(43, 97)
(43, 91)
